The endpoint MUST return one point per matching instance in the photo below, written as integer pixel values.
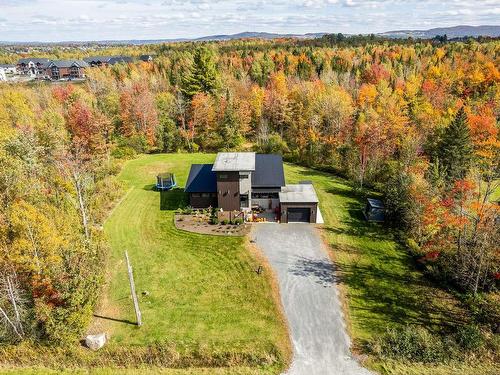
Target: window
(195, 195)
(244, 201)
(205, 195)
(265, 195)
(222, 176)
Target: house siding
(197, 200)
(228, 193)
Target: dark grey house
(242, 181)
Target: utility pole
(132, 291)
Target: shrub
(214, 220)
(409, 343)
(224, 222)
(470, 338)
(238, 221)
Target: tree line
(417, 121)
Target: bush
(470, 338)
(214, 220)
(238, 221)
(224, 222)
(410, 344)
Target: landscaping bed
(202, 222)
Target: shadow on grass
(173, 199)
(126, 321)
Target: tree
(203, 76)
(456, 150)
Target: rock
(95, 342)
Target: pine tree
(203, 76)
(456, 149)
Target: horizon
(21, 21)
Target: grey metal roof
(68, 63)
(301, 193)
(7, 66)
(375, 203)
(201, 179)
(234, 161)
(268, 171)
(120, 59)
(97, 59)
(36, 60)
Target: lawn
(379, 282)
(201, 292)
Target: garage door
(299, 215)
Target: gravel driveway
(310, 299)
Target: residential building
(245, 181)
(33, 67)
(98, 61)
(66, 69)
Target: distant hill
(451, 32)
(259, 35)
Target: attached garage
(298, 204)
(299, 215)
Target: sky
(81, 20)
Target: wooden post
(132, 291)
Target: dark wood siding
(312, 206)
(228, 190)
(202, 200)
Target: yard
(378, 280)
(199, 292)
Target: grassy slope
(203, 290)
(379, 282)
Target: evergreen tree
(203, 77)
(456, 149)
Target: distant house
(9, 68)
(3, 76)
(146, 58)
(33, 67)
(242, 181)
(69, 69)
(98, 61)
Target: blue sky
(59, 20)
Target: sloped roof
(36, 60)
(234, 162)
(96, 59)
(268, 171)
(120, 59)
(375, 203)
(201, 179)
(68, 63)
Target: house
(146, 58)
(98, 61)
(66, 69)
(33, 67)
(9, 68)
(3, 76)
(242, 181)
(374, 210)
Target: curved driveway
(310, 299)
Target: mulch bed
(198, 223)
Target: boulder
(95, 342)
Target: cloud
(153, 19)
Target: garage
(299, 215)
(298, 203)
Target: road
(310, 299)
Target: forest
(416, 121)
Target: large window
(265, 195)
(55, 72)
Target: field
(203, 296)
(200, 292)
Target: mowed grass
(380, 284)
(200, 291)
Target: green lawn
(204, 294)
(378, 279)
